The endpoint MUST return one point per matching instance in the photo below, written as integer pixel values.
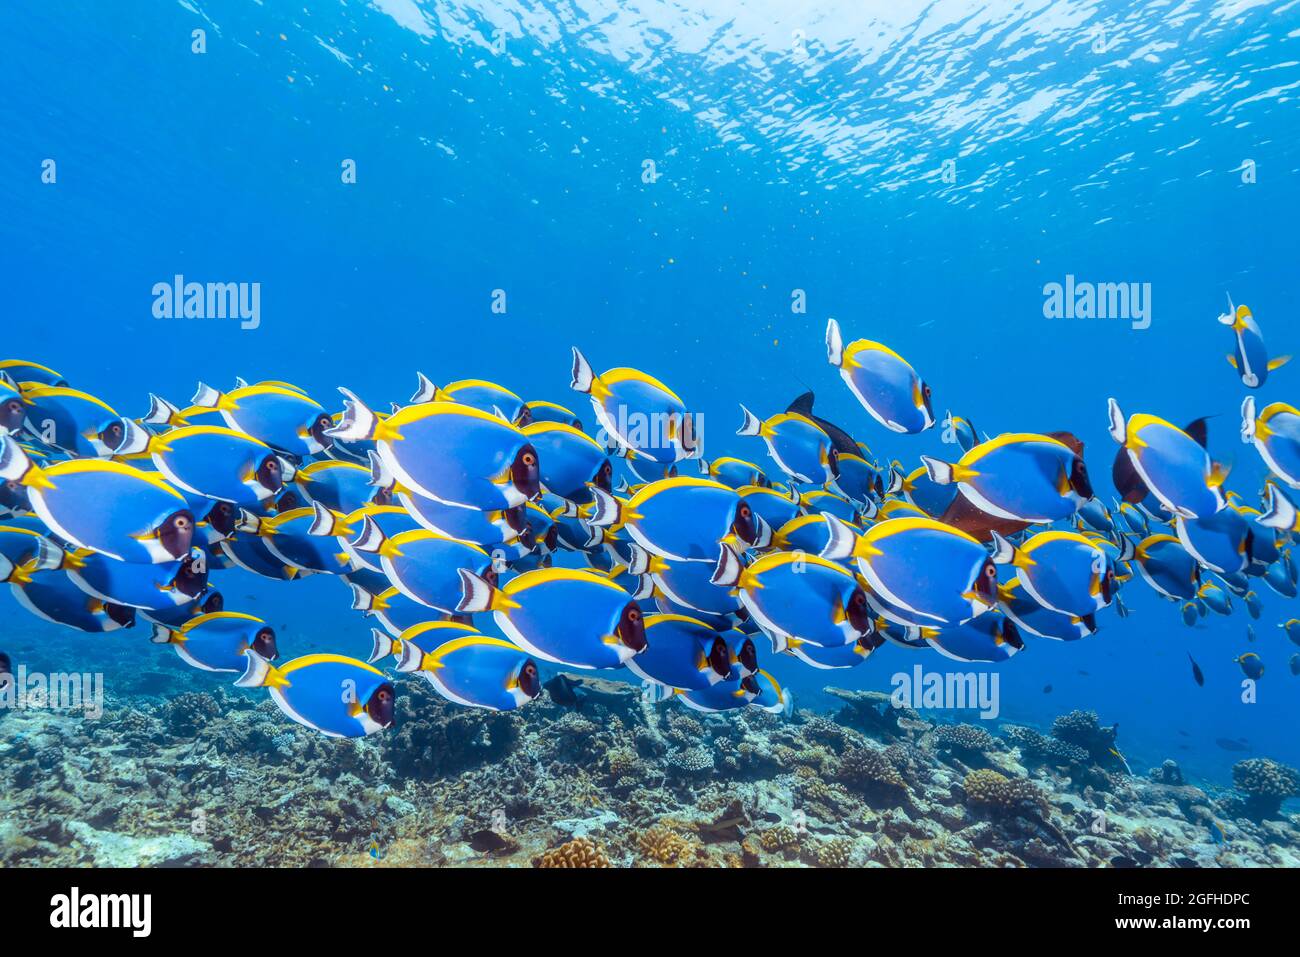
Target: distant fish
(1123, 760)
(1047, 689)
(1295, 664)
(1197, 675)
(1252, 666)
(6, 669)
(840, 439)
(1228, 744)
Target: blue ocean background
(502, 146)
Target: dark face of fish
(177, 533)
(383, 496)
(530, 682)
(269, 474)
(264, 643)
(525, 473)
(120, 614)
(745, 526)
(12, 414)
(750, 684)
(1011, 634)
(720, 658)
(986, 582)
(189, 582)
(552, 539)
(318, 428)
(213, 603)
(859, 613)
(689, 438)
(112, 435)
(525, 417)
(222, 518)
(490, 576)
(6, 664)
(380, 705)
(631, 627)
(1108, 585)
(748, 656)
(604, 478)
(13, 496)
(833, 460)
(925, 398)
(1079, 480)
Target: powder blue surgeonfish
(144, 586)
(214, 462)
(842, 656)
(1250, 356)
(108, 507)
(1221, 541)
(477, 393)
(476, 671)
(919, 570)
(732, 472)
(1019, 476)
(73, 421)
(882, 380)
(424, 565)
(571, 460)
(989, 638)
(771, 697)
(1064, 571)
(918, 488)
(681, 652)
(1276, 436)
(280, 415)
(682, 519)
(335, 695)
(797, 444)
(724, 696)
(339, 486)
(638, 412)
(52, 596)
(571, 617)
(1031, 617)
(775, 506)
(1168, 567)
(390, 520)
(690, 585)
(1171, 464)
(495, 466)
(218, 641)
(294, 537)
(796, 597)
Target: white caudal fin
(1127, 550)
(1280, 513)
(381, 645)
(764, 537)
(7, 569)
(135, 439)
(248, 522)
(476, 592)
(639, 560)
(645, 587)
(594, 536)
(49, 556)
(358, 421)
(14, 463)
(362, 600)
(583, 375)
(896, 480)
(869, 509)
(834, 344)
(653, 693)
(288, 470)
(940, 472)
(409, 658)
(622, 487)
(241, 382)
(323, 521)
(1117, 428)
(727, 572)
(704, 466)
(840, 540)
(160, 411)
(752, 425)
(256, 671)
(1004, 553)
(206, 397)
(607, 508)
(426, 392)
(371, 538)
(570, 509)
(381, 476)
(1248, 419)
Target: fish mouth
(120, 614)
(744, 526)
(604, 478)
(188, 582)
(112, 435)
(318, 432)
(1011, 634)
(1079, 480)
(222, 517)
(748, 656)
(986, 583)
(269, 474)
(12, 415)
(213, 603)
(749, 684)
(859, 613)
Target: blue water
(798, 147)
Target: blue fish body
(218, 463)
(570, 460)
(681, 652)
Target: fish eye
(634, 615)
(926, 389)
(530, 459)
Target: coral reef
(216, 778)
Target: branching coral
(579, 852)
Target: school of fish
(487, 536)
